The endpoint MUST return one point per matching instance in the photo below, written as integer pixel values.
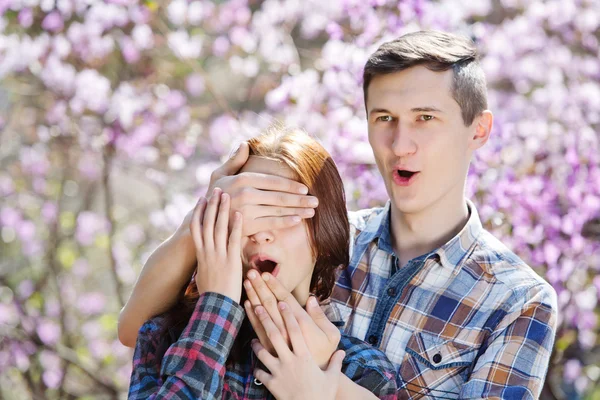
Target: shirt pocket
(434, 367)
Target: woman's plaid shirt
(194, 366)
(468, 320)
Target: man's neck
(416, 234)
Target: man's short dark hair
(437, 51)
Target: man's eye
(384, 118)
(425, 117)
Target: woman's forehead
(270, 166)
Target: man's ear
(483, 128)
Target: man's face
(421, 145)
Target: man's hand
(321, 336)
(294, 372)
(267, 202)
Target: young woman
(203, 347)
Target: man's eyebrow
(379, 110)
(426, 109)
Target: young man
(458, 313)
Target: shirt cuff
(216, 320)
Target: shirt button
(391, 292)
(372, 340)
(437, 358)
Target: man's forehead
(414, 87)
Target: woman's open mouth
(264, 263)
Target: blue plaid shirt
(468, 320)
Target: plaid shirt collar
(451, 255)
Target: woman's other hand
(217, 251)
(294, 373)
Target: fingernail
(310, 212)
(252, 275)
(313, 202)
(312, 302)
(296, 219)
(223, 196)
(303, 190)
(247, 284)
(265, 276)
(259, 310)
(282, 305)
(247, 304)
(215, 191)
(254, 342)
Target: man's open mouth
(405, 174)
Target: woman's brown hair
(328, 229)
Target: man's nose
(403, 144)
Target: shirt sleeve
(194, 366)
(369, 367)
(514, 361)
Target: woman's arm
(194, 366)
(159, 285)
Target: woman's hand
(217, 252)
(320, 335)
(294, 373)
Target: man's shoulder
(508, 270)
(360, 219)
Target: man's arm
(159, 285)
(516, 357)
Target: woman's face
(285, 253)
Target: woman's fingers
(221, 226)
(293, 330)
(195, 224)
(267, 300)
(258, 328)
(235, 238)
(273, 333)
(210, 214)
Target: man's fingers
(321, 320)
(268, 301)
(258, 328)
(270, 182)
(335, 363)
(293, 330)
(263, 355)
(259, 212)
(222, 224)
(195, 223)
(250, 194)
(234, 163)
(263, 376)
(273, 333)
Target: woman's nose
(263, 237)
